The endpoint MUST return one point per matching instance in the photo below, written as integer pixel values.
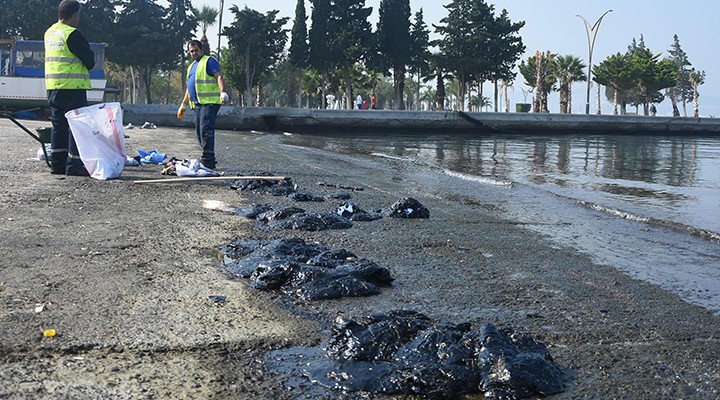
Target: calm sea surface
(648, 205)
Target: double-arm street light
(591, 33)
(222, 5)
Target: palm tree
(452, 94)
(567, 70)
(696, 78)
(206, 16)
(505, 84)
(428, 97)
(310, 84)
(536, 72)
(479, 102)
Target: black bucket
(43, 134)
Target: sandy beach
(125, 273)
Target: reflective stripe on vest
(206, 86)
(63, 70)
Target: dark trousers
(65, 157)
(205, 115)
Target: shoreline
(125, 273)
(299, 120)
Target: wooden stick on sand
(214, 178)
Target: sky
(553, 25)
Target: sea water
(647, 205)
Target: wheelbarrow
(42, 136)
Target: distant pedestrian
(373, 102)
(653, 110)
(330, 101)
(358, 102)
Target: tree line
(336, 51)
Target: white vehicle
(22, 74)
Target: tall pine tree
(683, 91)
(259, 40)
(319, 42)
(419, 51)
(350, 39)
(394, 43)
(299, 48)
(475, 45)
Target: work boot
(58, 163)
(76, 170)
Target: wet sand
(125, 273)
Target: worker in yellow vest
(205, 93)
(68, 59)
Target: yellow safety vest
(63, 70)
(206, 86)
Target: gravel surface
(125, 272)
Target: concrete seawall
(312, 120)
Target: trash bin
(522, 107)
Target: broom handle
(214, 178)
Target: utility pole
(222, 5)
(591, 33)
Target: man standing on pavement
(68, 59)
(358, 102)
(205, 93)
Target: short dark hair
(196, 43)
(68, 8)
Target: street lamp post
(222, 5)
(591, 33)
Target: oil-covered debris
(404, 352)
(339, 196)
(294, 218)
(311, 221)
(301, 195)
(355, 213)
(253, 210)
(264, 186)
(407, 207)
(515, 365)
(278, 213)
(218, 299)
(309, 271)
(376, 337)
(333, 185)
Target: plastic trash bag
(193, 168)
(151, 157)
(41, 155)
(98, 132)
(132, 161)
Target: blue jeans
(205, 115)
(65, 158)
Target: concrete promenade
(313, 120)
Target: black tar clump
(309, 271)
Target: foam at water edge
(701, 233)
(479, 179)
(390, 157)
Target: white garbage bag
(41, 154)
(193, 168)
(98, 132)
